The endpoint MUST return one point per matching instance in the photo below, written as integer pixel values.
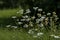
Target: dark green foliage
(40, 3)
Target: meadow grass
(6, 13)
(5, 34)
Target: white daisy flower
(40, 9)
(30, 31)
(14, 17)
(56, 37)
(33, 17)
(23, 16)
(39, 15)
(28, 19)
(48, 13)
(20, 23)
(36, 29)
(26, 16)
(37, 20)
(52, 35)
(14, 27)
(54, 13)
(35, 8)
(56, 19)
(42, 17)
(28, 11)
(55, 16)
(41, 25)
(39, 34)
(31, 25)
(22, 19)
(25, 26)
(8, 26)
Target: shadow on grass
(5, 21)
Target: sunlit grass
(6, 13)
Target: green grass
(21, 34)
(6, 13)
(14, 35)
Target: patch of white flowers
(36, 22)
(55, 36)
(10, 26)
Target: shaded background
(48, 5)
(17, 3)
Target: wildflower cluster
(35, 22)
